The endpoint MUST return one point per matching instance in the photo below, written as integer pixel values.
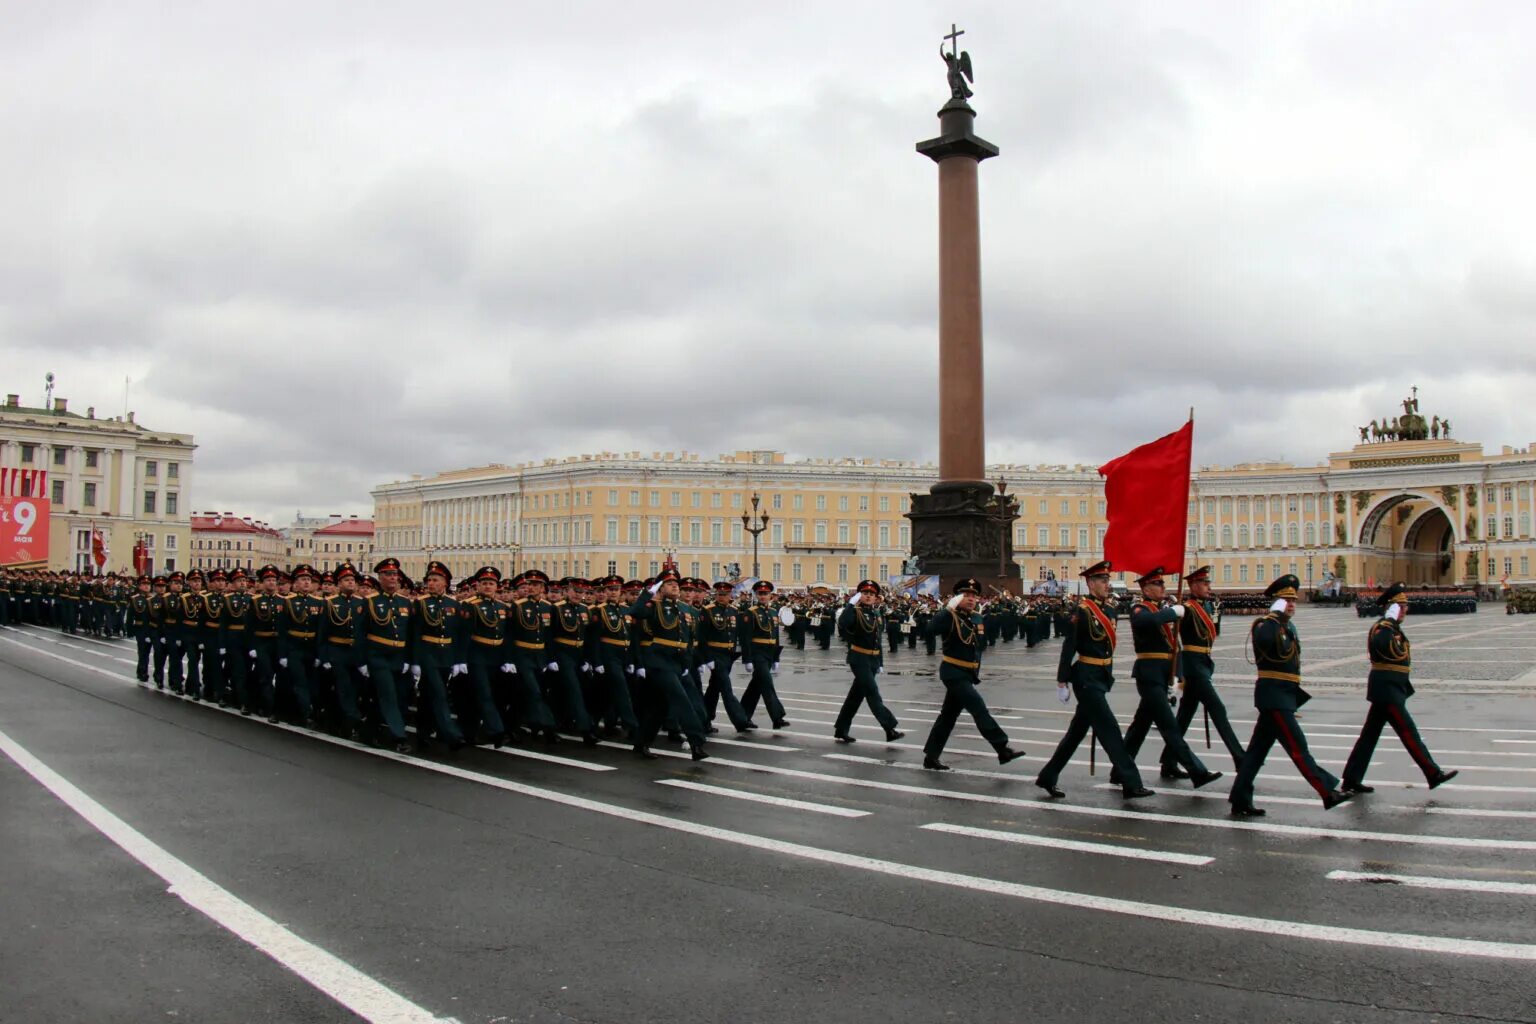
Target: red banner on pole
(1146, 494)
(24, 532)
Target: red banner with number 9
(24, 532)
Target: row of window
(1278, 536)
(1491, 527)
(152, 500)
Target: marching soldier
(760, 647)
(341, 654)
(1277, 694)
(1198, 631)
(386, 661)
(266, 608)
(213, 638)
(608, 653)
(298, 631)
(1153, 630)
(143, 611)
(434, 622)
(568, 631)
(1086, 671)
(168, 639)
(482, 650)
(529, 622)
(859, 625)
(1388, 688)
(659, 617)
(964, 637)
(238, 627)
(718, 639)
(192, 637)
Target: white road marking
(358, 992)
(763, 798)
(1054, 843)
(1428, 882)
(1480, 812)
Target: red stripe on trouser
(1419, 754)
(1294, 749)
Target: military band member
(434, 623)
(608, 652)
(895, 618)
(1198, 631)
(386, 638)
(238, 627)
(341, 652)
(1277, 694)
(1154, 630)
(266, 609)
(1086, 671)
(1388, 688)
(859, 626)
(143, 615)
(963, 633)
(659, 617)
(718, 643)
(760, 647)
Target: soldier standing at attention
(1388, 688)
(1086, 670)
(386, 632)
(1153, 630)
(759, 631)
(859, 625)
(434, 623)
(964, 638)
(718, 645)
(1277, 693)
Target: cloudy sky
(345, 242)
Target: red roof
(229, 524)
(347, 528)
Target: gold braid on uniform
(426, 614)
(388, 620)
(330, 612)
(960, 629)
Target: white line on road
(363, 995)
(763, 798)
(1480, 812)
(1428, 882)
(1077, 846)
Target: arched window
(1274, 533)
(1311, 533)
(1293, 535)
(1242, 506)
(1226, 536)
(1226, 506)
(1242, 534)
(1327, 533)
(1210, 536)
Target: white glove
(221, 652)
(775, 667)
(598, 670)
(363, 671)
(509, 668)
(199, 646)
(586, 667)
(415, 673)
(457, 670)
(1178, 611)
(640, 672)
(953, 602)
(655, 587)
(282, 662)
(553, 666)
(326, 666)
(250, 654)
(405, 667)
(879, 669)
(1064, 693)
(853, 598)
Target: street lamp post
(1004, 516)
(755, 523)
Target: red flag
(1146, 492)
(98, 549)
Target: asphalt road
(499, 886)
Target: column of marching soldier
(521, 659)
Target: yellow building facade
(110, 474)
(1432, 512)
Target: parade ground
(166, 860)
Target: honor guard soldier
(859, 626)
(143, 613)
(386, 661)
(482, 652)
(341, 651)
(169, 639)
(238, 627)
(214, 640)
(266, 609)
(1086, 671)
(1388, 688)
(1154, 630)
(298, 633)
(719, 639)
(529, 622)
(1277, 694)
(894, 618)
(760, 647)
(608, 652)
(659, 617)
(568, 631)
(434, 623)
(963, 634)
(1198, 631)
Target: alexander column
(960, 528)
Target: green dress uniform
(239, 625)
(860, 629)
(386, 661)
(758, 628)
(482, 652)
(434, 622)
(266, 609)
(143, 611)
(964, 639)
(894, 620)
(192, 640)
(1277, 694)
(168, 642)
(718, 639)
(298, 634)
(214, 648)
(1087, 664)
(567, 650)
(1388, 688)
(529, 621)
(664, 648)
(608, 643)
(341, 655)
(1198, 631)
(1153, 631)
